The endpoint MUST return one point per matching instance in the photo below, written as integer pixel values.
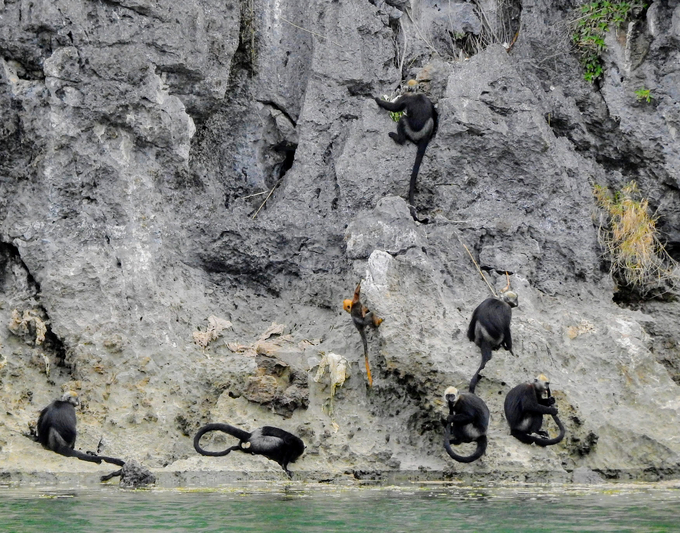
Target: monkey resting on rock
(468, 421)
(525, 406)
(274, 443)
(418, 124)
(362, 317)
(56, 430)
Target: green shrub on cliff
(596, 18)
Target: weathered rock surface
(163, 164)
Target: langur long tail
(481, 448)
(111, 460)
(473, 382)
(540, 441)
(70, 452)
(58, 445)
(486, 357)
(368, 367)
(92, 457)
(368, 371)
(225, 428)
(422, 146)
(117, 473)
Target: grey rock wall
(164, 163)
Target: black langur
(468, 421)
(57, 430)
(274, 443)
(362, 317)
(418, 124)
(490, 327)
(525, 406)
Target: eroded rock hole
(288, 149)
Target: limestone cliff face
(188, 190)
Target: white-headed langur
(490, 327)
(274, 443)
(468, 421)
(525, 406)
(362, 317)
(57, 430)
(418, 124)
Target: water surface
(325, 508)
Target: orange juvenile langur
(362, 317)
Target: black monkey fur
(56, 430)
(468, 421)
(490, 328)
(419, 125)
(274, 443)
(525, 406)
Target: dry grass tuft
(629, 236)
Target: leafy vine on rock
(589, 30)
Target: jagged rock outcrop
(163, 164)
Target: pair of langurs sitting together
(524, 407)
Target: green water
(323, 508)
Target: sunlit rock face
(168, 167)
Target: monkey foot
(396, 138)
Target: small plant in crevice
(638, 260)
(644, 94)
(589, 29)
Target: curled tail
(481, 448)
(540, 441)
(225, 428)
